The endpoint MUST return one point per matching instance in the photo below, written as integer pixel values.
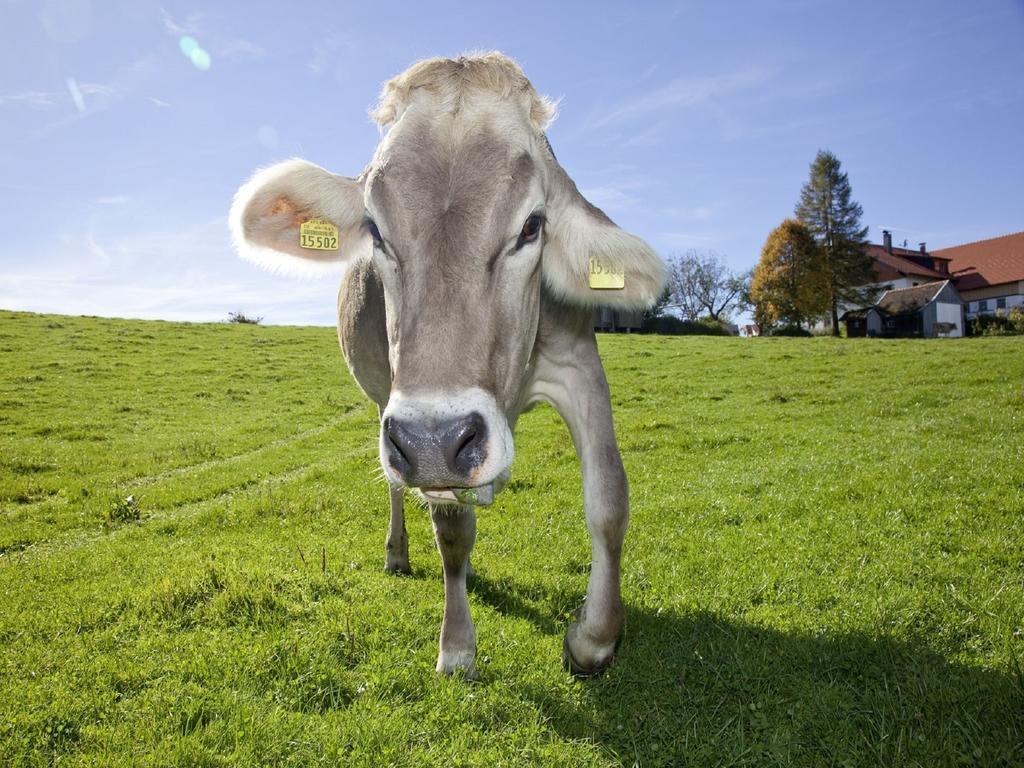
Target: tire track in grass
(142, 480)
(196, 483)
(208, 463)
(179, 512)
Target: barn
(931, 309)
(617, 320)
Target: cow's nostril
(399, 446)
(467, 444)
(467, 438)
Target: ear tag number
(605, 277)
(318, 235)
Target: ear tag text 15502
(605, 277)
(318, 235)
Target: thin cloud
(112, 200)
(682, 92)
(158, 102)
(85, 97)
(672, 240)
(190, 26)
(693, 213)
(609, 198)
(183, 274)
(240, 49)
(33, 99)
(99, 97)
(331, 56)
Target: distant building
(617, 320)
(989, 273)
(929, 310)
(897, 267)
(987, 276)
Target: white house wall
(1012, 300)
(950, 313)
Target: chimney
(887, 240)
(924, 251)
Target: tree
(790, 282)
(701, 283)
(660, 306)
(833, 218)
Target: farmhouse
(987, 277)
(614, 320)
(928, 309)
(903, 267)
(989, 273)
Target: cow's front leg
(591, 640)
(575, 385)
(396, 548)
(455, 530)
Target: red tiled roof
(986, 262)
(891, 265)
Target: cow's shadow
(703, 689)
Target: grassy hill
(825, 564)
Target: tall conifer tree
(828, 210)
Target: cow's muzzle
(438, 455)
(452, 444)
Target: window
(967, 306)
(983, 306)
(1001, 303)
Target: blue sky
(691, 123)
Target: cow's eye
(371, 227)
(531, 230)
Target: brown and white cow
(468, 297)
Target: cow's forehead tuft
(431, 169)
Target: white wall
(950, 313)
(971, 307)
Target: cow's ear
(269, 210)
(587, 259)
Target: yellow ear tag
(605, 277)
(319, 235)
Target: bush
(239, 317)
(1001, 324)
(791, 330)
(1016, 318)
(667, 325)
(124, 511)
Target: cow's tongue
(480, 496)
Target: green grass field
(825, 564)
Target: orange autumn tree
(790, 283)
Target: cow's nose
(465, 443)
(436, 454)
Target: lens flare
(194, 52)
(187, 45)
(200, 58)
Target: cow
(474, 266)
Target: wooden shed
(932, 309)
(617, 320)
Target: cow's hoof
(462, 663)
(397, 567)
(583, 657)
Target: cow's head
(467, 217)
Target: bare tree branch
(701, 284)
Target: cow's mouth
(479, 496)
